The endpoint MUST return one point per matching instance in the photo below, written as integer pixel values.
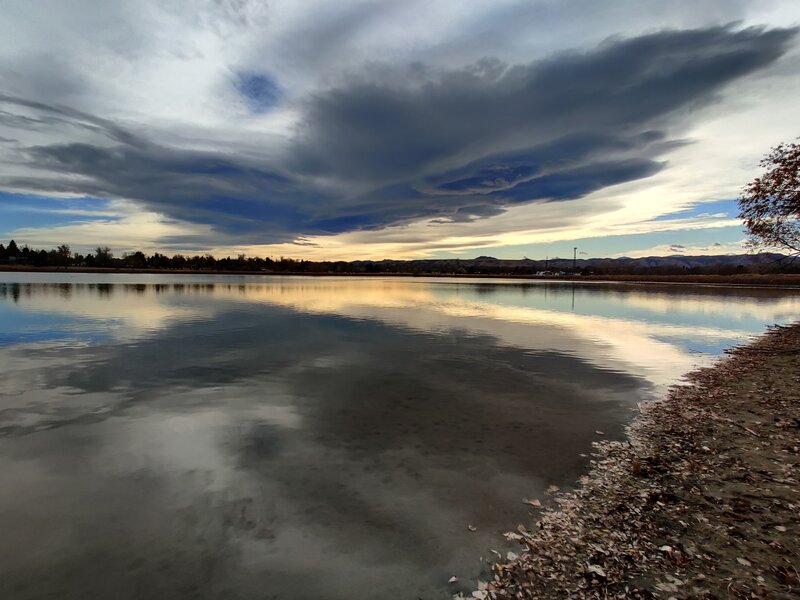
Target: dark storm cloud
(419, 143)
(47, 118)
(227, 192)
(398, 129)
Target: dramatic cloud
(398, 129)
(388, 145)
(370, 128)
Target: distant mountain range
(676, 262)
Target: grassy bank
(702, 502)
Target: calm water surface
(244, 437)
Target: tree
(63, 254)
(103, 256)
(135, 260)
(770, 204)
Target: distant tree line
(103, 257)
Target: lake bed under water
(166, 436)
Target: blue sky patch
(260, 91)
(25, 210)
(599, 247)
(729, 208)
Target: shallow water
(232, 437)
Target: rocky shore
(702, 502)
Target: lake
(167, 436)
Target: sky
(385, 129)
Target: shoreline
(701, 501)
(778, 280)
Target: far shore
(738, 280)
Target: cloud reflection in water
(230, 437)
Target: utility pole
(575, 258)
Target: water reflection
(326, 438)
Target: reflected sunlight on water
(314, 437)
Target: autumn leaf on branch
(770, 204)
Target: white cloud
(688, 250)
(129, 228)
